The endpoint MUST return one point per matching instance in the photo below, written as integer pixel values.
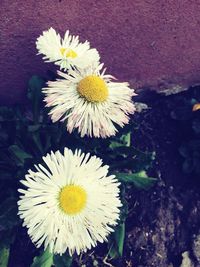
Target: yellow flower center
(72, 199)
(93, 88)
(70, 53)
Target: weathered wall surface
(151, 43)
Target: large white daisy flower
(90, 101)
(66, 52)
(69, 204)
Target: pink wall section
(151, 43)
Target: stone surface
(196, 248)
(186, 260)
(152, 44)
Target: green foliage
(34, 94)
(139, 179)
(62, 261)
(117, 242)
(126, 156)
(19, 154)
(6, 239)
(4, 256)
(8, 213)
(45, 259)
(123, 141)
(27, 134)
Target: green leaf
(4, 256)
(115, 144)
(133, 159)
(19, 154)
(62, 261)
(126, 139)
(123, 141)
(37, 140)
(139, 179)
(117, 244)
(34, 128)
(8, 213)
(35, 95)
(45, 259)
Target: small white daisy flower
(69, 204)
(90, 101)
(67, 52)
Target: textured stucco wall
(151, 43)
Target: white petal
(39, 207)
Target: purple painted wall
(151, 43)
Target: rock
(196, 248)
(152, 44)
(140, 106)
(186, 260)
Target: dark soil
(163, 222)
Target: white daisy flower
(67, 52)
(69, 204)
(90, 101)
